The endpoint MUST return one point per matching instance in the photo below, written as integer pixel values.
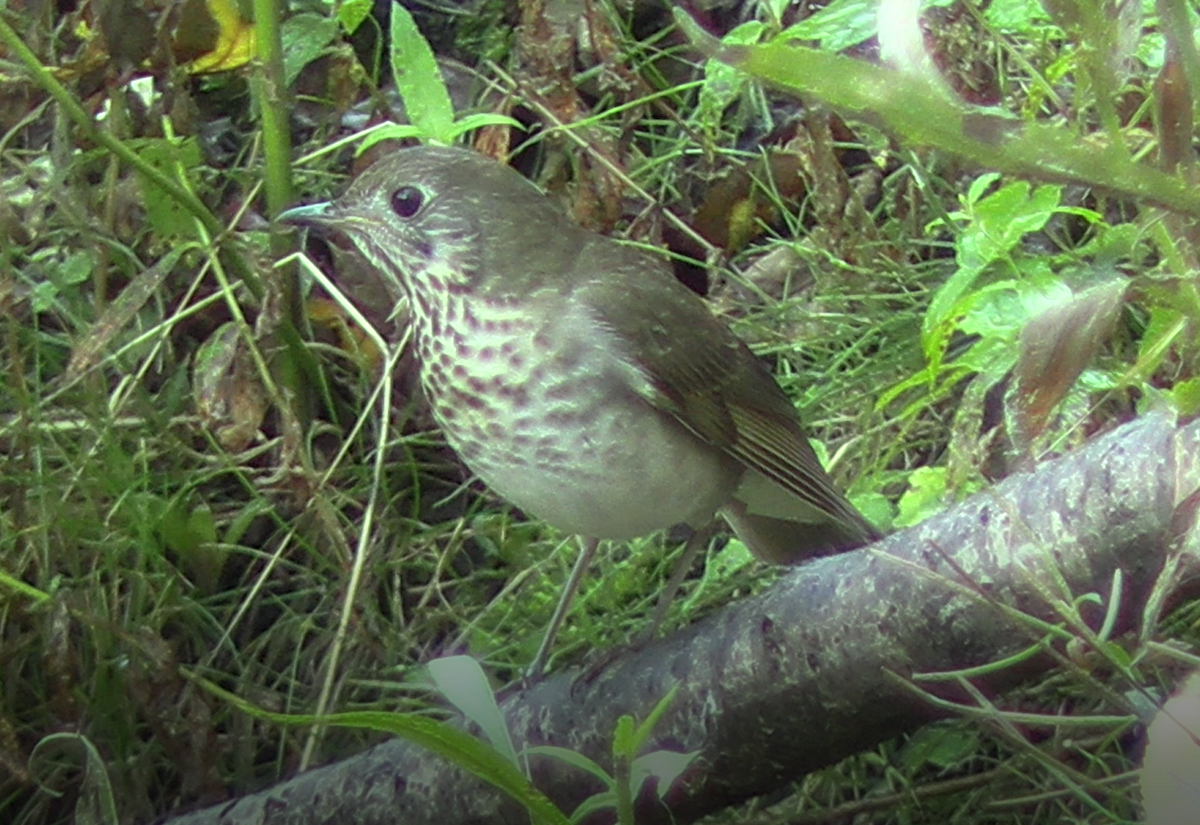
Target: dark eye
(406, 201)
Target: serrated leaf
(167, 216)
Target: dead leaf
(1055, 348)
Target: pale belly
(612, 472)
(565, 438)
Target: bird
(575, 376)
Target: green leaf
(43, 296)
(840, 25)
(980, 186)
(596, 802)
(305, 37)
(648, 724)
(459, 747)
(1018, 17)
(419, 80)
(352, 13)
(192, 536)
(95, 803)
(1166, 325)
(1001, 310)
(1117, 654)
(723, 83)
(1186, 396)
(76, 269)
(20, 587)
(924, 496)
(941, 745)
(1005, 216)
(997, 224)
(462, 681)
(572, 758)
(875, 506)
(480, 119)
(387, 131)
(174, 157)
(624, 746)
(843, 24)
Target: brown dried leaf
(1173, 98)
(1055, 348)
(230, 398)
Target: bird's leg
(538, 665)
(697, 541)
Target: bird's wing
(704, 376)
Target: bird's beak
(315, 214)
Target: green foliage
(56, 282)
(419, 82)
(173, 157)
(842, 24)
(134, 539)
(95, 804)
(307, 36)
(987, 241)
(444, 739)
(352, 13)
(925, 496)
(1024, 17)
(462, 681)
(942, 745)
(723, 83)
(631, 771)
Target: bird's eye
(406, 201)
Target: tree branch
(797, 678)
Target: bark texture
(793, 680)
